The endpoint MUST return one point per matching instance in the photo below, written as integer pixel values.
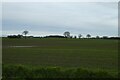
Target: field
(89, 54)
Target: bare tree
(97, 37)
(88, 35)
(25, 33)
(80, 35)
(67, 34)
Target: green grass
(21, 72)
(92, 54)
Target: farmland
(90, 54)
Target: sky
(54, 18)
(60, 0)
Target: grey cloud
(59, 17)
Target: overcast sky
(47, 18)
(60, 0)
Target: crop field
(90, 54)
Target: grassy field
(92, 54)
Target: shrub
(21, 72)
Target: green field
(92, 54)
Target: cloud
(60, 0)
(0, 19)
(59, 17)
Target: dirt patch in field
(21, 46)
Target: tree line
(65, 35)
